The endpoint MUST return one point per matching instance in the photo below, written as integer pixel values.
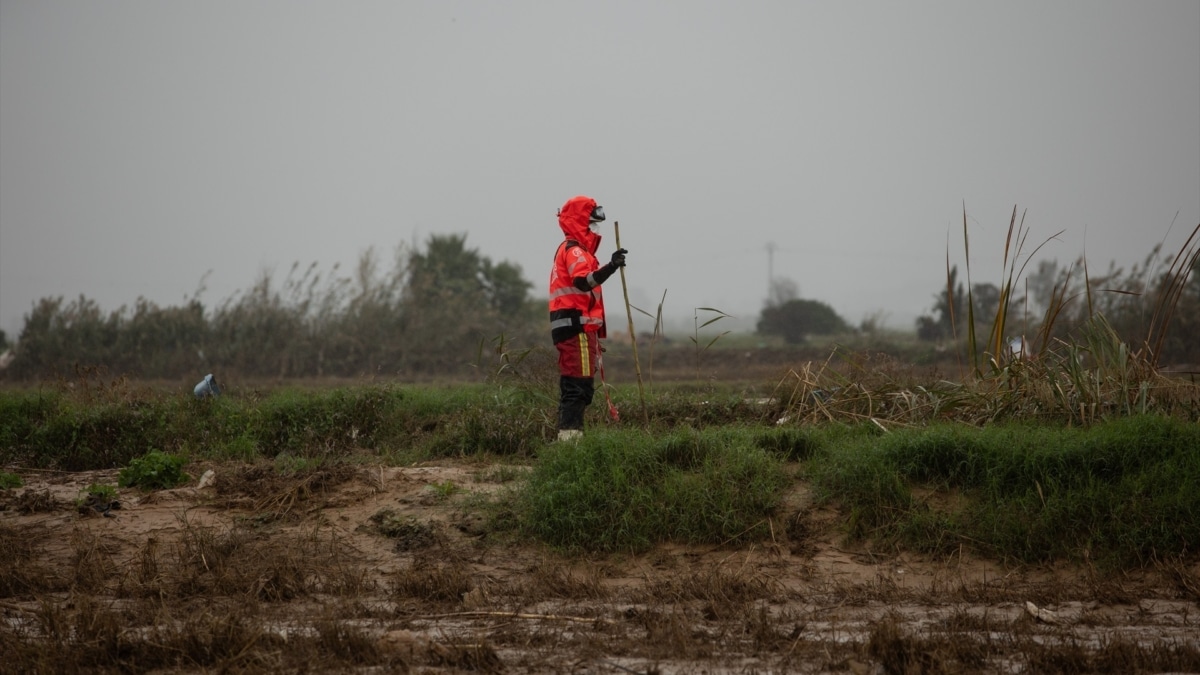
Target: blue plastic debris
(207, 387)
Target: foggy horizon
(146, 148)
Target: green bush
(10, 480)
(629, 490)
(154, 471)
(97, 492)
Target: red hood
(573, 219)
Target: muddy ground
(369, 568)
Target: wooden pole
(632, 336)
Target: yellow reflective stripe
(585, 366)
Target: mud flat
(362, 568)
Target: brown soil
(385, 569)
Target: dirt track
(401, 559)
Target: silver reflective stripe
(568, 290)
(564, 323)
(591, 279)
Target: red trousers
(578, 361)
(579, 356)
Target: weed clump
(626, 491)
(154, 471)
(96, 495)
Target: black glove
(618, 258)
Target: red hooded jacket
(573, 310)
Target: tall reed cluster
(426, 314)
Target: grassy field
(936, 525)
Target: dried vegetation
(1037, 515)
(223, 586)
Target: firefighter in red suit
(577, 309)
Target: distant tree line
(426, 315)
(432, 312)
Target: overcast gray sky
(143, 144)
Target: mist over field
(172, 151)
(285, 397)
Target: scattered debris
(1041, 613)
(34, 501)
(99, 504)
(409, 534)
(207, 387)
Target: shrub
(629, 490)
(96, 493)
(154, 471)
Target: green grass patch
(627, 490)
(333, 421)
(155, 470)
(1122, 491)
(62, 430)
(496, 427)
(9, 481)
(792, 444)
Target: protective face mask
(594, 227)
